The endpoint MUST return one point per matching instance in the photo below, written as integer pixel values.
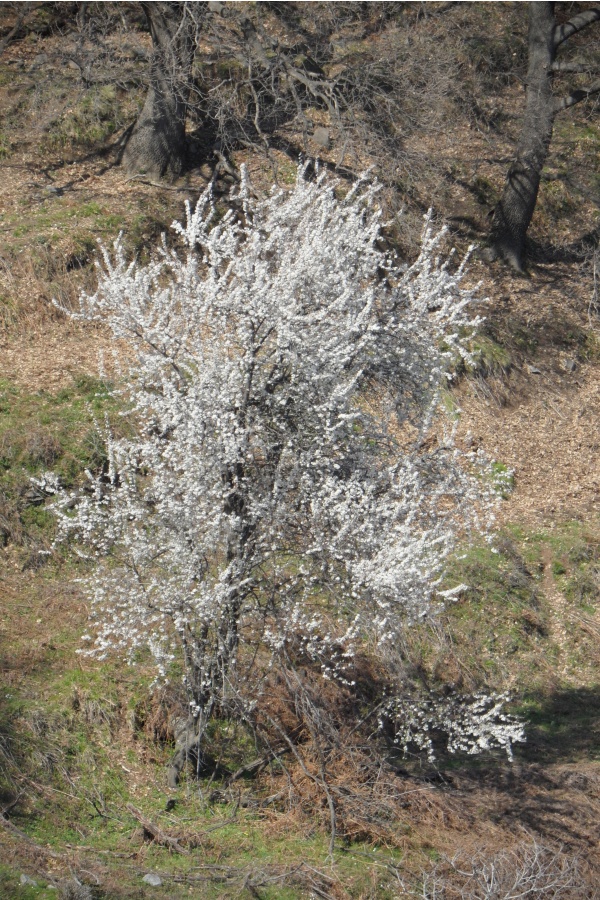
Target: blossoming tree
(284, 374)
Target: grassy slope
(79, 741)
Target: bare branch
(257, 765)
(572, 67)
(577, 97)
(25, 11)
(563, 32)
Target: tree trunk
(157, 144)
(515, 210)
(187, 744)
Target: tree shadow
(9, 755)
(202, 137)
(552, 788)
(541, 252)
(563, 727)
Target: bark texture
(157, 145)
(187, 745)
(514, 212)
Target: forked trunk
(157, 145)
(514, 212)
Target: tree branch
(563, 32)
(154, 831)
(24, 14)
(24, 838)
(255, 767)
(576, 97)
(572, 67)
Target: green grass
(88, 122)
(79, 731)
(58, 214)
(491, 357)
(76, 811)
(5, 146)
(11, 887)
(502, 479)
(60, 235)
(500, 614)
(500, 627)
(42, 432)
(563, 725)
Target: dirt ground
(542, 417)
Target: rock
(25, 879)
(533, 371)
(40, 60)
(570, 365)
(152, 879)
(33, 497)
(321, 137)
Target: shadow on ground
(563, 727)
(551, 791)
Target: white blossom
(287, 482)
(470, 724)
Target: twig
(318, 781)
(85, 848)
(23, 15)
(256, 765)
(165, 187)
(224, 165)
(594, 304)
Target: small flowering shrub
(286, 487)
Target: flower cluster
(471, 724)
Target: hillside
(85, 806)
